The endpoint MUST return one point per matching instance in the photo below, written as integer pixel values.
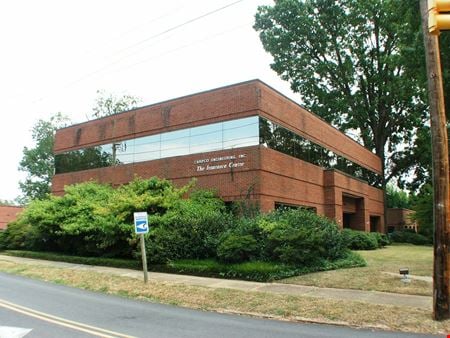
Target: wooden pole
(439, 141)
(144, 258)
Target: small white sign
(140, 222)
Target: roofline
(220, 88)
(174, 99)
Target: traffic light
(438, 16)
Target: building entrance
(353, 212)
(375, 224)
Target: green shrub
(18, 236)
(237, 248)
(254, 270)
(360, 240)
(99, 261)
(258, 270)
(301, 237)
(409, 237)
(190, 229)
(91, 219)
(3, 240)
(97, 220)
(382, 239)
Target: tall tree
(396, 198)
(109, 104)
(347, 60)
(39, 162)
(416, 156)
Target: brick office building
(244, 140)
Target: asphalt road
(51, 310)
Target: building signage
(220, 162)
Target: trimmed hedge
(252, 271)
(259, 271)
(58, 257)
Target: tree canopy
(109, 104)
(349, 61)
(39, 162)
(396, 198)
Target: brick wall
(292, 181)
(400, 219)
(8, 214)
(233, 181)
(208, 107)
(241, 100)
(289, 114)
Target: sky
(56, 55)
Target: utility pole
(433, 22)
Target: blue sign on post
(140, 222)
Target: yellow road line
(96, 331)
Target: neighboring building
(246, 141)
(399, 219)
(8, 213)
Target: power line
(187, 45)
(136, 27)
(150, 38)
(171, 29)
(180, 25)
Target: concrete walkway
(373, 297)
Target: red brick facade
(262, 174)
(8, 214)
(399, 219)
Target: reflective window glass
(175, 143)
(241, 133)
(147, 148)
(217, 136)
(206, 138)
(83, 159)
(281, 139)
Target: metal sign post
(141, 228)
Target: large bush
(302, 237)
(297, 237)
(243, 241)
(360, 240)
(237, 248)
(409, 237)
(90, 219)
(189, 229)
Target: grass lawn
(419, 260)
(260, 304)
